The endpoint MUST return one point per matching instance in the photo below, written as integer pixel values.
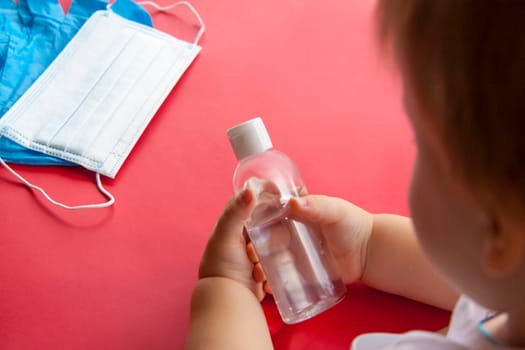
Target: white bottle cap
(249, 138)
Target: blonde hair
(465, 60)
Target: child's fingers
(237, 211)
(266, 288)
(252, 255)
(260, 277)
(258, 273)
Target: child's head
(463, 66)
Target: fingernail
(245, 197)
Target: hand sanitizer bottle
(299, 267)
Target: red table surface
(121, 278)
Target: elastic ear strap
(101, 188)
(180, 3)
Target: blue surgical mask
(94, 101)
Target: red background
(121, 278)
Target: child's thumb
(317, 209)
(234, 216)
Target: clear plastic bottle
(299, 268)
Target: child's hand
(345, 227)
(227, 253)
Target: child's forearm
(396, 264)
(226, 315)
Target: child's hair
(465, 62)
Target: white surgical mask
(94, 101)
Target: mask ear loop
(180, 3)
(101, 188)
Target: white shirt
(463, 334)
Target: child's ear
(504, 247)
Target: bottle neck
(255, 154)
